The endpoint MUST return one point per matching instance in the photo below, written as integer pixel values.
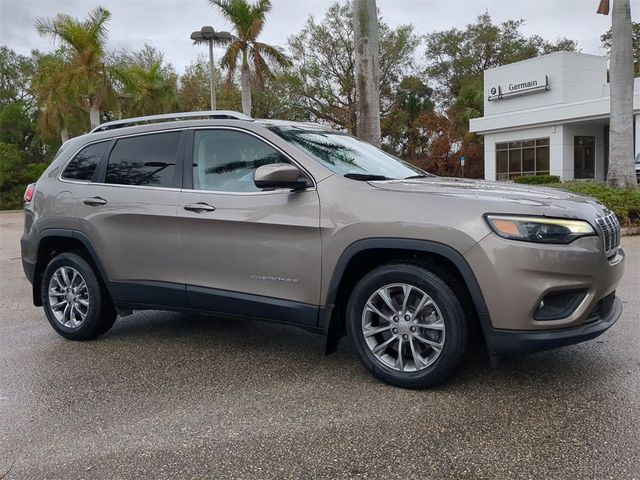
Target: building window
(522, 158)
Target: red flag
(603, 8)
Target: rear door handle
(94, 201)
(199, 207)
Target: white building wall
(637, 134)
(572, 77)
(576, 103)
(569, 132)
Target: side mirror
(279, 175)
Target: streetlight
(209, 35)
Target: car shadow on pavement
(264, 344)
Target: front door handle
(199, 207)
(94, 201)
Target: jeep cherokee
(293, 222)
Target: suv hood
(549, 201)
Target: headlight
(539, 229)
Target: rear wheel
(75, 302)
(408, 326)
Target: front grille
(610, 229)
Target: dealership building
(549, 116)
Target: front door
(584, 157)
(245, 250)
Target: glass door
(584, 157)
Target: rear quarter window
(83, 165)
(144, 160)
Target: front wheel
(75, 302)
(407, 325)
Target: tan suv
(296, 223)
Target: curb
(629, 231)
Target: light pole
(209, 35)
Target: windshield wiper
(365, 177)
(422, 175)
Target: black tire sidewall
(449, 305)
(91, 327)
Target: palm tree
(621, 173)
(147, 90)
(367, 70)
(57, 108)
(248, 21)
(86, 71)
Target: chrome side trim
(143, 187)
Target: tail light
(28, 193)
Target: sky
(167, 24)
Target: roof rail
(171, 116)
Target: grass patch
(625, 203)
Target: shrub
(537, 179)
(15, 175)
(625, 203)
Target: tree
(16, 72)
(367, 70)
(193, 89)
(621, 173)
(456, 57)
(146, 57)
(59, 112)
(248, 21)
(402, 134)
(279, 97)
(147, 90)
(85, 75)
(605, 38)
(15, 173)
(324, 62)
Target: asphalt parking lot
(168, 396)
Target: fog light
(559, 304)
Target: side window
(225, 160)
(144, 160)
(85, 162)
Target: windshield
(347, 155)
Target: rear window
(144, 160)
(84, 164)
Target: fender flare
(329, 321)
(75, 234)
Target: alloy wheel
(403, 327)
(68, 297)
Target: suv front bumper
(509, 342)
(515, 277)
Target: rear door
(128, 213)
(245, 250)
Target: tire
(433, 342)
(75, 302)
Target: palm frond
(258, 13)
(261, 69)
(56, 27)
(230, 58)
(95, 24)
(235, 12)
(273, 54)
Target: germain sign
(519, 87)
